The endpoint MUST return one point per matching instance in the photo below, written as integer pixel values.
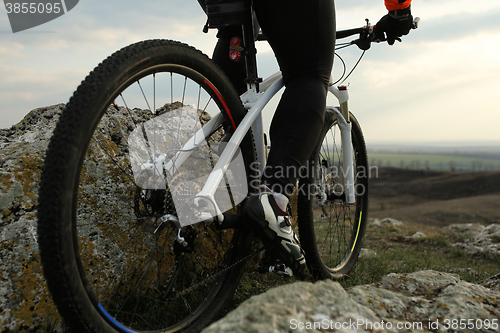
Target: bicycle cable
(356, 65)
(344, 77)
(344, 69)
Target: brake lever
(365, 40)
(364, 44)
(416, 22)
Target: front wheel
(331, 231)
(113, 255)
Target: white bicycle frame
(255, 102)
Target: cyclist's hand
(393, 28)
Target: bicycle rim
(332, 231)
(126, 264)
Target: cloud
(44, 65)
(457, 26)
(439, 84)
(23, 89)
(434, 91)
(420, 89)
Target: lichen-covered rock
(486, 242)
(471, 229)
(287, 308)
(492, 282)
(418, 302)
(25, 304)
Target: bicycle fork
(345, 126)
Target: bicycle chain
(185, 291)
(169, 205)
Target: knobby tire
(110, 263)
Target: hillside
(435, 198)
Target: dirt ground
(435, 198)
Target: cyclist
(302, 36)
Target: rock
(25, 302)
(391, 221)
(492, 282)
(385, 222)
(472, 229)
(376, 223)
(486, 242)
(418, 234)
(278, 309)
(416, 302)
(367, 253)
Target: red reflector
(235, 55)
(235, 49)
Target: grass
(395, 252)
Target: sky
(440, 85)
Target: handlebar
(350, 32)
(366, 35)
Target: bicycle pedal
(281, 269)
(278, 268)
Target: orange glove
(397, 23)
(397, 4)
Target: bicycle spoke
(145, 98)
(129, 263)
(335, 223)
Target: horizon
(383, 145)
(438, 144)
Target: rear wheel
(113, 254)
(331, 231)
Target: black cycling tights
(302, 35)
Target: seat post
(250, 51)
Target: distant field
(434, 162)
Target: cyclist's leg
(294, 133)
(234, 70)
(305, 56)
(302, 35)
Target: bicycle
(138, 233)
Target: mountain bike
(139, 213)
